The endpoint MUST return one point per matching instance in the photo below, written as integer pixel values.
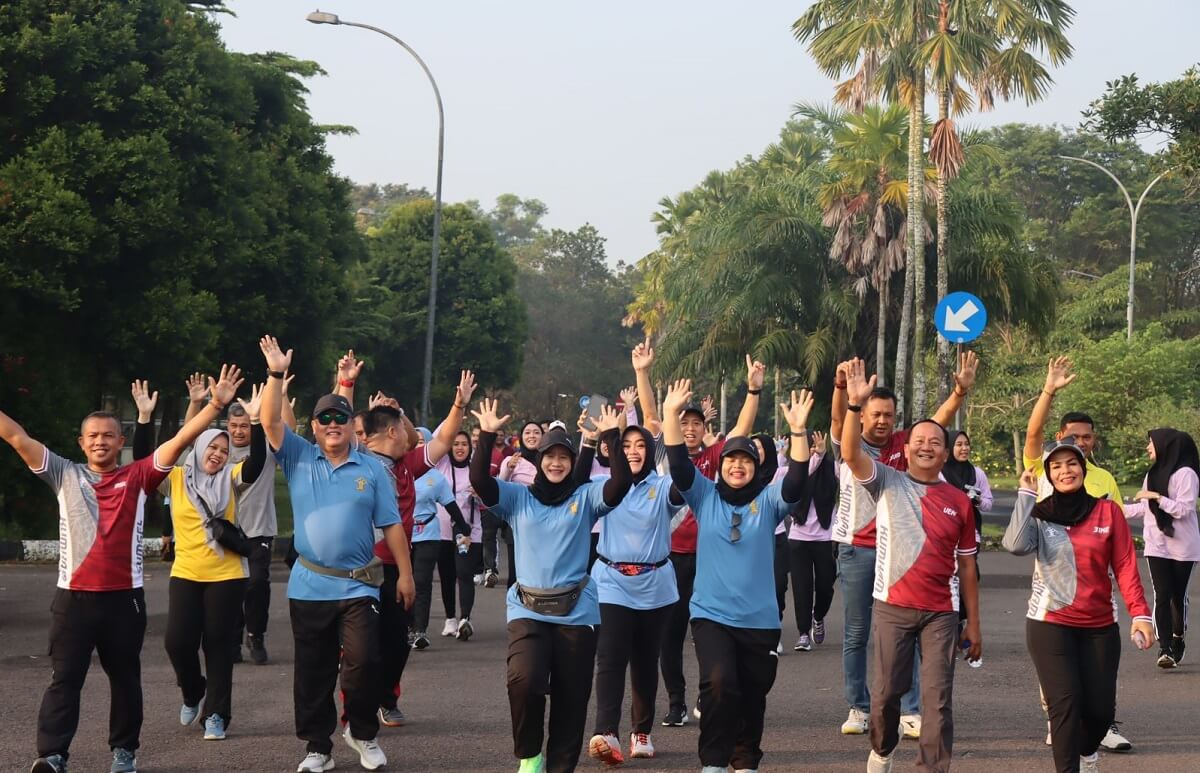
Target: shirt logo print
(574, 508)
(754, 508)
(1101, 529)
(119, 484)
(361, 484)
(651, 493)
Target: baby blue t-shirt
(638, 531)
(432, 489)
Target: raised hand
(755, 373)
(287, 382)
(818, 444)
(588, 434)
(197, 387)
(379, 398)
(1029, 480)
(709, 408)
(277, 360)
(858, 386)
(678, 395)
(466, 388)
(968, 367)
(629, 396)
(226, 386)
(839, 375)
(1058, 374)
(143, 400)
(643, 355)
(348, 367)
(487, 418)
(253, 406)
(796, 411)
(608, 419)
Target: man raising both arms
(99, 604)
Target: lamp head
(321, 17)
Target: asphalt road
(455, 699)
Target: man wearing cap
(925, 533)
(683, 533)
(339, 497)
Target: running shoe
(856, 722)
(258, 650)
(696, 712)
(803, 644)
(214, 728)
(370, 756)
(490, 578)
(1090, 764)
(910, 725)
(465, 629)
(818, 631)
(1166, 659)
(640, 747)
(315, 763)
(450, 628)
(606, 749)
(420, 641)
(1177, 648)
(477, 579)
(188, 714)
(677, 716)
(52, 764)
(1113, 741)
(532, 765)
(124, 761)
(877, 764)
(393, 717)
(1049, 738)
(779, 648)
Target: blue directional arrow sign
(584, 401)
(960, 317)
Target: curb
(46, 550)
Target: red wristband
(346, 383)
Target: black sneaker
(421, 640)
(677, 716)
(258, 650)
(1177, 648)
(51, 764)
(1166, 659)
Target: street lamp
(1134, 211)
(321, 17)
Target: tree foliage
(1129, 109)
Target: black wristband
(854, 408)
(275, 374)
(800, 434)
(754, 391)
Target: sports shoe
(315, 762)
(910, 725)
(214, 728)
(1049, 738)
(420, 641)
(1113, 741)
(696, 712)
(1177, 648)
(391, 717)
(606, 749)
(640, 747)
(818, 631)
(532, 765)
(1090, 764)
(677, 716)
(856, 722)
(489, 578)
(477, 579)
(124, 761)
(779, 648)
(713, 769)
(465, 629)
(450, 628)
(258, 650)
(370, 756)
(188, 714)
(877, 764)
(1166, 659)
(52, 764)
(803, 644)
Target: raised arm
(858, 391)
(755, 373)
(288, 404)
(271, 413)
(643, 360)
(837, 410)
(588, 440)
(31, 451)
(1058, 376)
(439, 445)
(143, 431)
(629, 396)
(197, 389)
(257, 460)
(796, 412)
(964, 381)
(683, 472)
(621, 478)
(348, 370)
(489, 424)
(221, 393)
(1021, 536)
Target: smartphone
(595, 403)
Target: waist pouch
(632, 569)
(553, 602)
(371, 574)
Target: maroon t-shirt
(411, 466)
(708, 462)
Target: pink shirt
(811, 531)
(524, 473)
(1180, 504)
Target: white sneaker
(1049, 738)
(910, 725)
(450, 628)
(606, 749)
(1113, 741)
(877, 764)
(696, 712)
(315, 763)
(370, 756)
(640, 746)
(856, 722)
(477, 579)
(779, 648)
(1090, 764)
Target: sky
(601, 109)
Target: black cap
(695, 408)
(742, 445)
(556, 437)
(333, 403)
(1067, 443)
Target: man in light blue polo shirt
(339, 497)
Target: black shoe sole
(41, 766)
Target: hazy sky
(600, 109)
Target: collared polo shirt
(432, 489)
(336, 511)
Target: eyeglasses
(735, 533)
(333, 417)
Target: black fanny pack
(553, 602)
(227, 534)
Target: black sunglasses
(333, 417)
(735, 533)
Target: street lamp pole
(1134, 211)
(319, 17)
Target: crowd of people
(623, 536)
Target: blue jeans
(856, 572)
